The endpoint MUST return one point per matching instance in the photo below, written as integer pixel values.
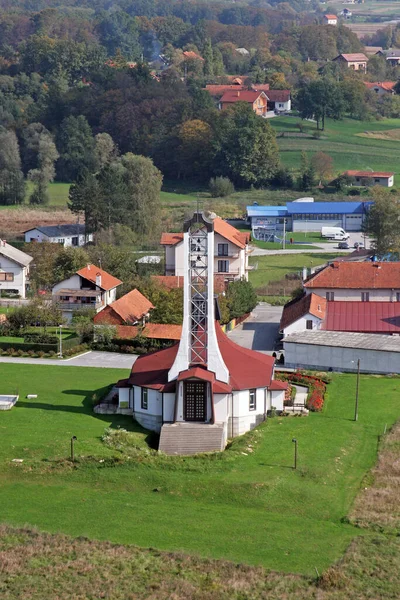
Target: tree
(84, 197)
(12, 185)
(245, 145)
(143, 185)
(68, 261)
(306, 178)
(323, 165)
(241, 298)
(105, 149)
(383, 222)
(196, 148)
(320, 99)
(47, 155)
(76, 145)
(208, 59)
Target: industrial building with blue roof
(305, 215)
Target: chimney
(238, 94)
(98, 279)
(304, 273)
(88, 267)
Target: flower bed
(316, 387)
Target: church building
(205, 389)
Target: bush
(220, 187)
(40, 338)
(316, 388)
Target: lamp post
(284, 234)
(294, 440)
(60, 353)
(73, 439)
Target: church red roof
(247, 368)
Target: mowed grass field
(341, 140)
(247, 504)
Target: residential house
(381, 88)
(90, 287)
(330, 20)
(278, 100)
(67, 235)
(304, 313)
(386, 179)
(14, 270)
(131, 309)
(392, 55)
(346, 13)
(257, 100)
(231, 252)
(243, 51)
(371, 50)
(356, 61)
(155, 331)
(356, 281)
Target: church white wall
(243, 418)
(169, 408)
(152, 417)
(222, 407)
(277, 398)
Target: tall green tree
(208, 59)
(383, 222)
(245, 146)
(12, 185)
(320, 99)
(45, 171)
(76, 145)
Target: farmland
(246, 505)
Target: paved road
(260, 330)
(320, 247)
(106, 360)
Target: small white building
(231, 252)
(14, 269)
(67, 235)
(330, 20)
(301, 314)
(206, 389)
(90, 287)
(384, 178)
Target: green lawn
(341, 140)
(247, 505)
(58, 193)
(275, 267)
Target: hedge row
(316, 387)
(40, 353)
(26, 346)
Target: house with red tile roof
(381, 88)
(304, 313)
(231, 252)
(357, 281)
(130, 309)
(330, 20)
(384, 178)
(90, 287)
(205, 389)
(257, 100)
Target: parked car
(343, 246)
(358, 245)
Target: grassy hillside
(348, 142)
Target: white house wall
(72, 283)
(352, 295)
(169, 408)
(9, 266)
(301, 324)
(152, 417)
(37, 236)
(311, 356)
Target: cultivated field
(246, 505)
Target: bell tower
(198, 345)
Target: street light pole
(294, 440)
(73, 439)
(357, 390)
(284, 234)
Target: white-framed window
(330, 295)
(223, 266)
(61, 241)
(309, 324)
(252, 399)
(364, 296)
(144, 399)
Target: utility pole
(284, 234)
(357, 389)
(294, 440)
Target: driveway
(105, 360)
(260, 331)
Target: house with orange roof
(130, 309)
(257, 100)
(384, 178)
(381, 88)
(330, 20)
(356, 281)
(231, 252)
(304, 313)
(90, 287)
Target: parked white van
(334, 233)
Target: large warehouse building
(305, 216)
